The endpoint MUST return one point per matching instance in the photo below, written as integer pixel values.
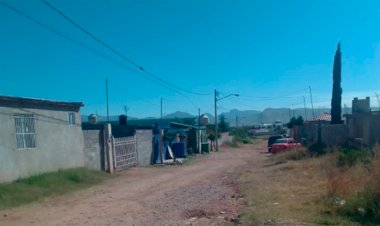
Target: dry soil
(203, 192)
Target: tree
(336, 100)
(295, 122)
(223, 125)
(299, 121)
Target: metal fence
(124, 152)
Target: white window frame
(25, 131)
(71, 118)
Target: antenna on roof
(377, 98)
(126, 109)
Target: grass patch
(356, 186)
(290, 193)
(36, 188)
(282, 194)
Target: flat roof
(11, 101)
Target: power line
(122, 90)
(68, 38)
(133, 95)
(91, 49)
(117, 52)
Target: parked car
(283, 144)
(272, 139)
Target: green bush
(356, 182)
(363, 208)
(318, 149)
(349, 157)
(234, 143)
(246, 140)
(293, 154)
(241, 136)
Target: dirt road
(200, 193)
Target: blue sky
(268, 51)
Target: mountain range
(240, 118)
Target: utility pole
(304, 106)
(199, 132)
(345, 108)
(161, 109)
(293, 109)
(199, 118)
(237, 125)
(108, 117)
(311, 100)
(216, 120)
(216, 114)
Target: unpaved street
(203, 192)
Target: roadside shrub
(363, 207)
(246, 140)
(353, 186)
(241, 136)
(293, 154)
(349, 157)
(318, 149)
(234, 143)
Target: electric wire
(92, 50)
(73, 40)
(118, 52)
(131, 94)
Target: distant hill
(179, 114)
(248, 117)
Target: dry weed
(293, 154)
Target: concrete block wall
(144, 146)
(333, 135)
(94, 149)
(374, 131)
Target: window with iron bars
(25, 132)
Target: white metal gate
(124, 152)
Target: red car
(284, 144)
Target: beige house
(38, 136)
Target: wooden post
(108, 145)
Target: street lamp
(216, 114)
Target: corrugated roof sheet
(323, 117)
